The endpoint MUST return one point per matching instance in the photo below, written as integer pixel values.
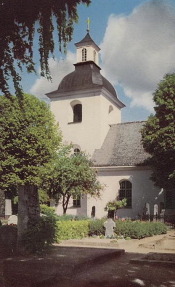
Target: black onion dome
(86, 76)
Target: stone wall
(2, 204)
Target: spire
(88, 24)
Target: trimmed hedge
(72, 229)
(139, 229)
(96, 227)
(128, 229)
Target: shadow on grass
(96, 267)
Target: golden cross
(88, 24)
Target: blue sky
(137, 41)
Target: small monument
(12, 220)
(156, 211)
(109, 228)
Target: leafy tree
(114, 205)
(71, 175)
(158, 134)
(29, 139)
(20, 20)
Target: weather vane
(88, 24)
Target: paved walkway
(164, 243)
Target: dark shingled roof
(87, 41)
(86, 76)
(122, 146)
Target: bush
(8, 240)
(68, 217)
(47, 210)
(40, 235)
(96, 227)
(72, 229)
(139, 229)
(65, 217)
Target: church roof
(86, 76)
(122, 146)
(87, 41)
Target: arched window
(126, 192)
(77, 113)
(84, 55)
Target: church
(88, 111)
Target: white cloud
(139, 49)
(58, 69)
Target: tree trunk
(65, 203)
(2, 203)
(28, 208)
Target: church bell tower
(85, 103)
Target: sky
(137, 41)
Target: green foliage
(68, 217)
(20, 21)
(47, 210)
(43, 196)
(72, 229)
(158, 134)
(116, 204)
(40, 235)
(139, 229)
(70, 175)
(96, 227)
(29, 139)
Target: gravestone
(109, 225)
(156, 211)
(8, 207)
(12, 220)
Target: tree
(29, 139)
(114, 205)
(71, 175)
(158, 134)
(20, 20)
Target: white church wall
(91, 132)
(71, 210)
(109, 114)
(143, 191)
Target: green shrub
(40, 235)
(72, 229)
(96, 227)
(68, 217)
(47, 210)
(139, 229)
(65, 217)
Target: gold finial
(88, 24)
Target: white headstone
(156, 209)
(109, 228)
(8, 207)
(13, 219)
(147, 209)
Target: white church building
(88, 111)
